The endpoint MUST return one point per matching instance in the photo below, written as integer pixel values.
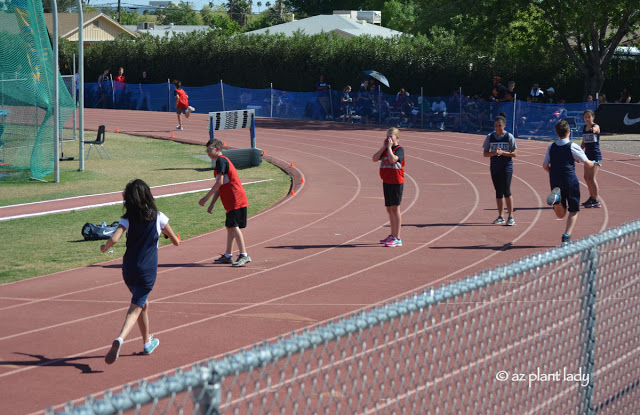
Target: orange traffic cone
(224, 144)
(117, 130)
(302, 180)
(173, 136)
(263, 153)
(293, 192)
(292, 164)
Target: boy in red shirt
(182, 103)
(391, 158)
(119, 87)
(228, 187)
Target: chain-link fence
(555, 333)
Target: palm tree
(259, 4)
(267, 4)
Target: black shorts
(570, 197)
(502, 184)
(392, 194)
(236, 218)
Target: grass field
(42, 245)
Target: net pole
(222, 93)
(74, 96)
(379, 106)
(331, 101)
(56, 92)
(515, 100)
(81, 88)
(168, 95)
(460, 109)
(422, 108)
(271, 100)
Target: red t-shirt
(183, 101)
(119, 78)
(231, 192)
(392, 173)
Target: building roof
(340, 25)
(68, 23)
(169, 30)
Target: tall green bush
(439, 62)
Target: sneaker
(394, 242)
(223, 260)
(114, 352)
(241, 261)
(178, 127)
(593, 204)
(554, 197)
(385, 240)
(566, 240)
(499, 220)
(153, 343)
(588, 201)
(191, 109)
(511, 221)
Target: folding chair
(99, 141)
(573, 126)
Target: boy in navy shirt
(559, 162)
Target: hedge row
(438, 63)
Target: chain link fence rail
(556, 333)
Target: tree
(219, 21)
(64, 6)
(181, 14)
(259, 4)
(588, 32)
(309, 8)
(127, 17)
(238, 10)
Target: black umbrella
(377, 75)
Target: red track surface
(315, 255)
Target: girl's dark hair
(593, 114)
(177, 83)
(139, 205)
(502, 119)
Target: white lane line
(97, 205)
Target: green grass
(156, 162)
(42, 245)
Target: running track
(315, 255)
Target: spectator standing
(145, 93)
(324, 97)
(439, 109)
(499, 91)
(346, 103)
(625, 97)
(510, 95)
(103, 89)
(120, 88)
(550, 96)
(536, 94)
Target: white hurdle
(231, 120)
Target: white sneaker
(191, 109)
(178, 127)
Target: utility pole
(118, 13)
